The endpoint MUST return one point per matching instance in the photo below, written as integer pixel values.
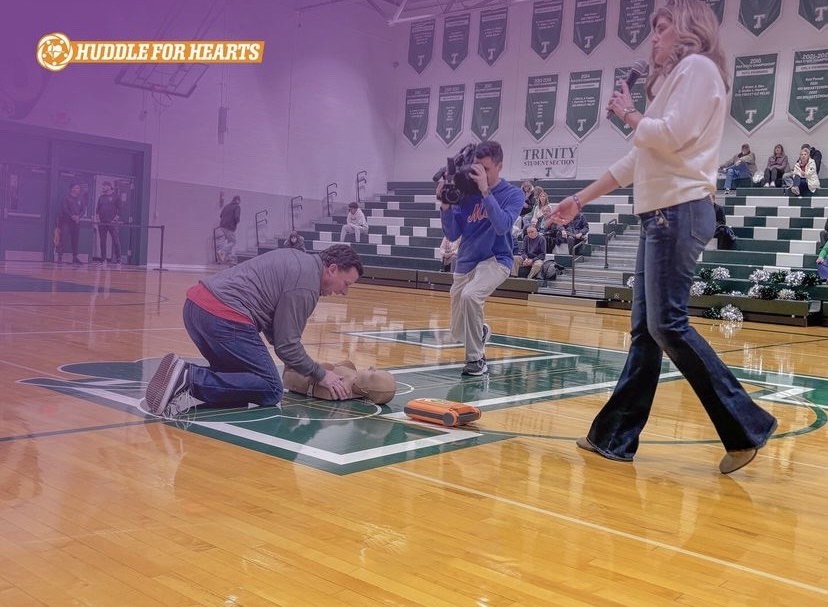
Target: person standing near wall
(228, 221)
(108, 214)
(69, 221)
(672, 167)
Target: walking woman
(672, 167)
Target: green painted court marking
(350, 436)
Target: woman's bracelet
(578, 202)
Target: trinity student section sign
(590, 24)
(583, 102)
(486, 111)
(549, 162)
(456, 40)
(639, 97)
(546, 26)
(415, 126)
(754, 81)
(758, 15)
(808, 104)
(634, 21)
(541, 97)
(450, 112)
(421, 44)
(492, 40)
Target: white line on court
(610, 531)
(92, 330)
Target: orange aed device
(439, 411)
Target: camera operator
(484, 260)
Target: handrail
(607, 237)
(574, 254)
(295, 203)
(361, 178)
(329, 193)
(94, 226)
(260, 221)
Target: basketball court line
(71, 331)
(610, 531)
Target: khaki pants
(468, 294)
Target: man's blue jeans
(241, 369)
(671, 240)
(736, 171)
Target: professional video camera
(457, 175)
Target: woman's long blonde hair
(698, 33)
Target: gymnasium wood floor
(321, 504)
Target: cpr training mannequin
(374, 384)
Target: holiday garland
(776, 284)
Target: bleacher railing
(577, 246)
(361, 180)
(128, 226)
(330, 192)
(609, 234)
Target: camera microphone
(638, 69)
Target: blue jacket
(485, 225)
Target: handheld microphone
(638, 69)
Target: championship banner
(808, 104)
(583, 104)
(416, 114)
(492, 40)
(718, 7)
(456, 40)
(754, 80)
(450, 112)
(814, 12)
(634, 21)
(486, 111)
(541, 98)
(758, 15)
(639, 97)
(546, 26)
(421, 44)
(554, 162)
(590, 24)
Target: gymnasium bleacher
(773, 230)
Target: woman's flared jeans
(671, 241)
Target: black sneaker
(475, 367)
(159, 391)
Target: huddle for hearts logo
(54, 52)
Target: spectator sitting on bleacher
(355, 223)
(741, 166)
(821, 266)
(542, 203)
(532, 255)
(823, 236)
(777, 167)
(572, 233)
(804, 179)
(294, 241)
(448, 253)
(529, 198)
